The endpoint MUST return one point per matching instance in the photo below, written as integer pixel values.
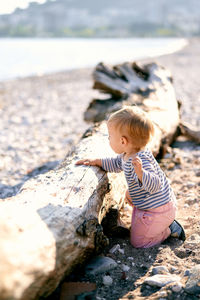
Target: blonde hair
(133, 123)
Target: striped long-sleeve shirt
(154, 191)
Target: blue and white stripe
(154, 191)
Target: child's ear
(124, 140)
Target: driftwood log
(149, 87)
(190, 131)
(54, 223)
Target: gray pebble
(114, 248)
(161, 280)
(177, 287)
(107, 280)
(187, 273)
(100, 264)
(125, 268)
(193, 282)
(160, 270)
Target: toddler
(149, 191)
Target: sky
(8, 6)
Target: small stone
(161, 280)
(173, 269)
(187, 273)
(178, 160)
(168, 155)
(193, 282)
(194, 237)
(160, 270)
(190, 185)
(107, 280)
(177, 287)
(114, 248)
(163, 293)
(121, 251)
(99, 265)
(170, 166)
(191, 199)
(125, 268)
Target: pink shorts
(151, 227)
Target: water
(23, 57)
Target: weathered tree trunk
(149, 86)
(53, 224)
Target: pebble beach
(41, 119)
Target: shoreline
(156, 47)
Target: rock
(114, 248)
(130, 258)
(195, 237)
(174, 270)
(160, 270)
(162, 294)
(107, 280)
(187, 273)
(177, 287)
(125, 268)
(193, 282)
(161, 280)
(189, 185)
(121, 250)
(170, 166)
(99, 265)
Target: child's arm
(149, 180)
(89, 162)
(107, 164)
(137, 163)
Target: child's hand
(89, 162)
(137, 163)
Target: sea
(22, 57)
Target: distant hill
(104, 18)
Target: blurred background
(46, 36)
